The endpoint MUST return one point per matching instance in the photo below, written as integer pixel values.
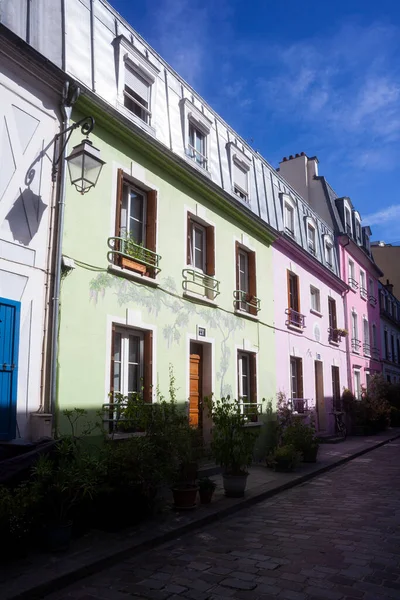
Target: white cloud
(385, 216)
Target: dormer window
(328, 251)
(358, 231)
(137, 92)
(289, 218)
(240, 180)
(311, 238)
(197, 146)
(347, 218)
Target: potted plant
(341, 332)
(206, 489)
(17, 513)
(134, 255)
(186, 446)
(63, 481)
(232, 444)
(285, 458)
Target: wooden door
(196, 391)
(319, 395)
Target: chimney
(295, 170)
(389, 286)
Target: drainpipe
(69, 98)
(346, 325)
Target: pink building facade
(311, 356)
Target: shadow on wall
(25, 216)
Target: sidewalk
(42, 574)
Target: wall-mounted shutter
(118, 210)
(137, 84)
(210, 250)
(112, 390)
(237, 265)
(253, 378)
(189, 240)
(148, 366)
(252, 280)
(151, 220)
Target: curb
(58, 582)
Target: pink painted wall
(364, 308)
(305, 345)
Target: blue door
(9, 343)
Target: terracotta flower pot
(185, 496)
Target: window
(329, 253)
(289, 218)
(240, 181)
(293, 310)
(311, 238)
(137, 94)
(386, 342)
(363, 284)
(200, 246)
(315, 299)
(371, 291)
(398, 350)
(374, 338)
(134, 245)
(247, 382)
(131, 362)
(354, 332)
(352, 275)
(296, 377)
(367, 344)
(347, 217)
(197, 146)
(333, 334)
(357, 384)
(358, 231)
(336, 388)
(392, 347)
(246, 286)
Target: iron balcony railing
(299, 405)
(355, 344)
(375, 353)
(204, 284)
(251, 411)
(367, 349)
(363, 292)
(353, 283)
(372, 300)
(126, 248)
(295, 319)
(245, 301)
(197, 156)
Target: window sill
(333, 343)
(295, 328)
(115, 270)
(198, 168)
(363, 297)
(315, 312)
(353, 288)
(199, 298)
(135, 119)
(246, 315)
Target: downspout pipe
(347, 325)
(66, 110)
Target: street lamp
(84, 162)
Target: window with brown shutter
(246, 283)
(135, 226)
(293, 291)
(247, 383)
(296, 375)
(200, 250)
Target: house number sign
(201, 332)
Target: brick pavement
(336, 537)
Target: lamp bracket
(86, 124)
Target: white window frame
(347, 210)
(288, 216)
(352, 274)
(192, 116)
(243, 357)
(198, 156)
(237, 157)
(127, 53)
(363, 284)
(193, 226)
(311, 243)
(366, 338)
(358, 232)
(146, 110)
(328, 251)
(125, 332)
(357, 383)
(237, 189)
(354, 330)
(315, 293)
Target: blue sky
(321, 77)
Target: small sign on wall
(201, 331)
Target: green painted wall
(91, 297)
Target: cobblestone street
(336, 537)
